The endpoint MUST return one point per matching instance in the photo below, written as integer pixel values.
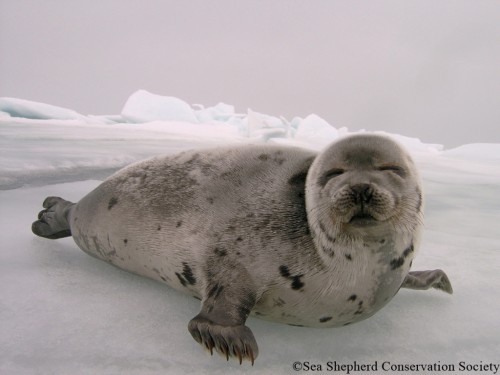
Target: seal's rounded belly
(286, 234)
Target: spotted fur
(296, 237)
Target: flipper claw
(229, 341)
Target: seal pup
(287, 234)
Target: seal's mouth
(362, 218)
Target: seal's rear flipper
(423, 280)
(53, 222)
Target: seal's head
(362, 186)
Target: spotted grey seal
(286, 234)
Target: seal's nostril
(363, 192)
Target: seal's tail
(53, 221)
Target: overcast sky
(423, 68)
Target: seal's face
(367, 181)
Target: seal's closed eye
(332, 173)
(393, 168)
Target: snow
(32, 110)
(63, 312)
(143, 106)
(478, 151)
(314, 130)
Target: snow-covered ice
(143, 106)
(63, 312)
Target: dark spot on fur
(220, 252)
(382, 241)
(210, 200)
(258, 313)
(247, 303)
(284, 271)
(251, 214)
(325, 232)
(325, 319)
(278, 302)
(278, 157)
(196, 297)
(226, 176)
(398, 262)
(295, 325)
(163, 278)
(360, 303)
(297, 283)
(352, 297)
(239, 239)
(408, 250)
(298, 179)
(159, 227)
(188, 274)
(348, 256)
(263, 223)
(263, 157)
(112, 202)
(125, 241)
(211, 273)
(346, 324)
(179, 223)
(359, 312)
(183, 282)
(243, 311)
(215, 291)
(328, 250)
(419, 199)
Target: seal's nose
(362, 192)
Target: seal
(286, 234)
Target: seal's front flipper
(53, 222)
(229, 341)
(424, 280)
(221, 321)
